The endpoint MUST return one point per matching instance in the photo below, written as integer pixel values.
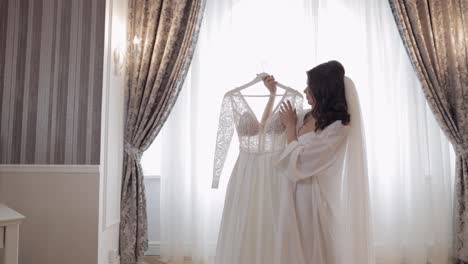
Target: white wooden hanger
(257, 79)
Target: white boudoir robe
(311, 169)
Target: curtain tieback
(461, 149)
(132, 151)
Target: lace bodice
(254, 136)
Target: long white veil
(355, 236)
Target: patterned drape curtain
(156, 68)
(435, 34)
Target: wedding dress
(247, 232)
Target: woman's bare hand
(288, 115)
(270, 83)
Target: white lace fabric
(254, 137)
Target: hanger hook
(262, 75)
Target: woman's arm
(311, 157)
(270, 84)
(291, 134)
(268, 108)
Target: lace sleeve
(223, 139)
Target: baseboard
(49, 168)
(154, 248)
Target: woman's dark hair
(326, 84)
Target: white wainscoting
(153, 187)
(153, 248)
(61, 206)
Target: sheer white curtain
(410, 161)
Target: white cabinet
(9, 234)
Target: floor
(151, 260)
(155, 260)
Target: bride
(324, 197)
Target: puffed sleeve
(313, 155)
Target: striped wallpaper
(51, 60)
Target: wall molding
(49, 168)
(154, 248)
(112, 119)
(105, 113)
(151, 177)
